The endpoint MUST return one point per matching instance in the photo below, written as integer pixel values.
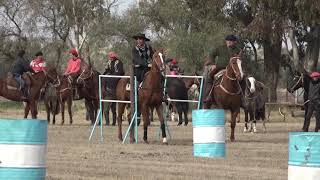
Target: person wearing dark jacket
(114, 67)
(20, 66)
(141, 56)
(313, 101)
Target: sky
(124, 4)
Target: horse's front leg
(26, 110)
(33, 110)
(234, 114)
(246, 112)
(121, 107)
(69, 102)
(163, 127)
(145, 117)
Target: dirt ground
(71, 156)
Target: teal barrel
(208, 133)
(23, 149)
(304, 156)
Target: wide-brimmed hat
(231, 37)
(141, 35)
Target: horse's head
(294, 81)
(235, 63)
(158, 60)
(85, 74)
(51, 73)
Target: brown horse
(88, 82)
(64, 93)
(227, 92)
(51, 102)
(150, 96)
(9, 89)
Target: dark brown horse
(51, 102)
(64, 93)
(88, 82)
(150, 96)
(227, 92)
(9, 89)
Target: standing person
(20, 66)
(114, 67)
(38, 64)
(141, 56)
(313, 101)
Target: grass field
(71, 156)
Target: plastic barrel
(23, 149)
(304, 156)
(208, 133)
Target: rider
(219, 59)
(141, 56)
(20, 66)
(313, 99)
(73, 69)
(174, 68)
(38, 64)
(114, 67)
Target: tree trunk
(272, 56)
(295, 55)
(313, 47)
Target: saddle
(218, 77)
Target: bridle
(80, 78)
(233, 69)
(300, 79)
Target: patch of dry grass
(253, 156)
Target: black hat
(21, 52)
(39, 53)
(141, 35)
(231, 37)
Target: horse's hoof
(146, 141)
(113, 124)
(185, 124)
(245, 130)
(165, 141)
(179, 124)
(232, 139)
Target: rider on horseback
(219, 59)
(38, 64)
(20, 66)
(114, 67)
(141, 56)
(73, 69)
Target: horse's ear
(259, 86)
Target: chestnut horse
(227, 92)
(36, 82)
(150, 96)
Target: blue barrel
(208, 133)
(304, 156)
(23, 149)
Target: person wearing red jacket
(74, 64)
(38, 64)
(72, 71)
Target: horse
(150, 96)
(176, 89)
(51, 103)
(65, 93)
(227, 92)
(253, 103)
(88, 85)
(9, 89)
(298, 80)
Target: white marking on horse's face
(252, 81)
(161, 57)
(240, 67)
